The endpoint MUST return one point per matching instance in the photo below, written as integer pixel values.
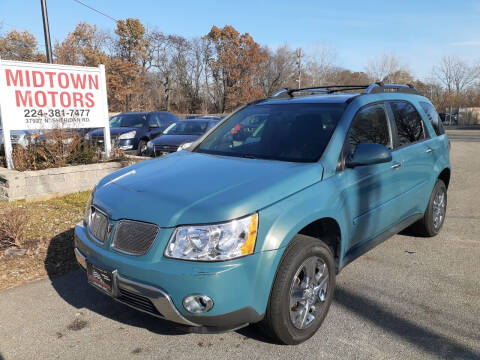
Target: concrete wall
(43, 184)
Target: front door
(369, 193)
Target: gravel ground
(409, 298)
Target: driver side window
(369, 126)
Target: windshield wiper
(247, 156)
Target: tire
(284, 323)
(142, 148)
(434, 217)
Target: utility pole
(46, 31)
(299, 53)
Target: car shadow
(73, 288)
(424, 338)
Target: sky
(419, 32)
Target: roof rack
(375, 88)
(380, 87)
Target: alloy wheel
(308, 291)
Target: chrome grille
(159, 149)
(98, 224)
(134, 237)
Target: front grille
(98, 224)
(134, 237)
(165, 148)
(137, 301)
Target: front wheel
(302, 292)
(142, 148)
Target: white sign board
(50, 96)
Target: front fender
(280, 222)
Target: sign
(48, 96)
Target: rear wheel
(302, 292)
(434, 217)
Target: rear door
(415, 148)
(439, 143)
(155, 122)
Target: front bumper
(239, 288)
(137, 295)
(123, 144)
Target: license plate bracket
(100, 278)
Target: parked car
(256, 229)
(177, 135)
(449, 119)
(132, 131)
(17, 138)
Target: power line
(98, 11)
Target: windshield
(187, 127)
(288, 132)
(128, 120)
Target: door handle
(429, 150)
(396, 166)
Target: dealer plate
(100, 278)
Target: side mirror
(368, 154)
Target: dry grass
(47, 237)
(13, 226)
(58, 148)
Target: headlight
(184, 146)
(150, 145)
(89, 205)
(128, 135)
(215, 242)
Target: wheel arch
(445, 176)
(328, 230)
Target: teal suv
(252, 222)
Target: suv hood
(194, 188)
(174, 139)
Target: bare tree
(278, 69)
(384, 68)
(340, 76)
(455, 74)
(322, 64)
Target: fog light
(197, 304)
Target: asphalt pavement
(409, 298)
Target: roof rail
(380, 87)
(375, 88)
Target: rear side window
(408, 121)
(162, 119)
(433, 117)
(370, 126)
